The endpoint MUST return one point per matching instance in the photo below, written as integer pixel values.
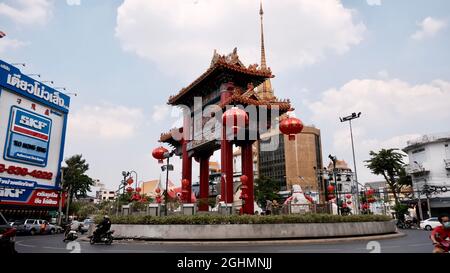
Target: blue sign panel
(28, 137)
(11, 78)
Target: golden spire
(264, 90)
(263, 50)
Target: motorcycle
(106, 238)
(71, 236)
(403, 224)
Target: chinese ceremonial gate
(212, 121)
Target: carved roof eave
(251, 71)
(168, 138)
(284, 106)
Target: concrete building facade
(429, 167)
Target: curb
(267, 241)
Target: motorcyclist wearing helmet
(103, 227)
(441, 235)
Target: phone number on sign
(24, 172)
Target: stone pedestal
(189, 209)
(154, 210)
(126, 210)
(226, 209)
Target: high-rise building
(292, 162)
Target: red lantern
(348, 196)
(138, 189)
(233, 118)
(244, 179)
(158, 153)
(291, 126)
(158, 190)
(130, 181)
(330, 188)
(129, 189)
(349, 202)
(185, 183)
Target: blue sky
(124, 58)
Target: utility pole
(61, 192)
(68, 202)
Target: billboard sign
(33, 120)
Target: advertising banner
(33, 119)
(30, 197)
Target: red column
(204, 183)
(226, 187)
(247, 169)
(186, 172)
(227, 171)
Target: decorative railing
(447, 163)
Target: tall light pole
(167, 168)
(334, 159)
(349, 119)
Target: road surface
(415, 241)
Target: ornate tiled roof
(231, 63)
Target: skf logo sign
(30, 124)
(33, 123)
(11, 193)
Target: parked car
(7, 236)
(430, 223)
(27, 226)
(86, 224)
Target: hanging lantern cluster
(291, 126)
(159, 153)
(370, 196)
(185, 183)
(349, 199)
(158, 195)
(330, 190)
(244, 188)
(234, 117)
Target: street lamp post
(333, 159)
(349, 119)
(167, 168)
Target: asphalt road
(415, 241)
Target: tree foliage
(266, 188)
(389, 163)
(76, 181)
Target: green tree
(76, 181)
(266, 188)
(389, 163)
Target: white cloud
(393, 111)
(10, 44)
(27, 12)
(429, 27)
(160, 112)
(383, 74)
(105, 122)
(180, 35)
(374, 2)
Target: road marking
(20, 244)
(420, 244)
